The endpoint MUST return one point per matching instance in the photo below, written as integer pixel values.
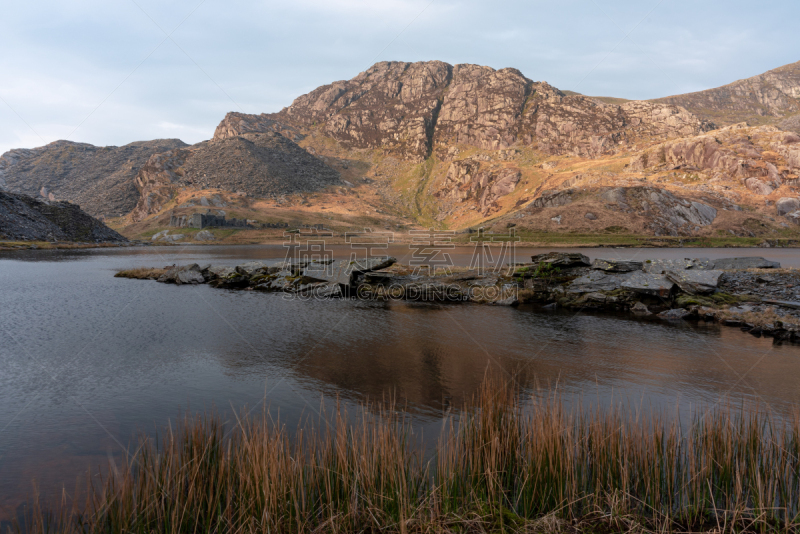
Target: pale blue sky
(104, 72)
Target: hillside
(263, 165)
(99, 179)
(769, 98)
(29, 219)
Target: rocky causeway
(751, 293)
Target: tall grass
(500, 465)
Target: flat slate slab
(562, 259)
(695, 281)
(662, 266)
(617, 266)
(749, 262)
(784, 303)
(596, 281)
(648, 284)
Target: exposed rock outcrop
(29, 219)
(408, 108)
(758, 158)
(763, 98)
(465, 181)
(259, 164)
(99, 179)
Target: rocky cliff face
(258, 164)
(466, 181)
(409, 109)
(99, 179)
(392, 105)
(762, 159)
(765, 98)
(29, 219)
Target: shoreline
(44, 245)
(751, 293)
(505, 462)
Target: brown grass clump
(500, 466)
(141, 273)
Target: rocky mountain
(99, 179)
(30, 219)
(462, 146)
(257, 164)
(408, 109)
(769, 98)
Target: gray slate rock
(595, 281)
(662, 266)
(510, 301)
(695, 281)
(188, 274)
(251, 267)
(676, 314)
(617, 266)
(749, 262)
(787, 205)
(783, 303)
(648, 284)
(562, 259)
(204, 235)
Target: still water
(87, 360)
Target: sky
(110, 72)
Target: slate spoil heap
(752, 293)
(23, 218)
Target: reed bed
(501, 464)
(141, 273)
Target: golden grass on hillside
(141, 273)
(500, 466)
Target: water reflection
(87, 360)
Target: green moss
(684, 301)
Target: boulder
(787, 205)
(191, 275)
(695, 281)
(749, 262)
(509, 301)
(591, 216)
(595, 281)
(648, 284)
(188, 274)
(562, 259)
(159, 235)
(204, 235)
(640, 309)
(279, 281)
(617, 266)
(251, 267)
(673, 315)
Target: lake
(87, 360)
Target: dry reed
(141, 273)
(500, 465)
